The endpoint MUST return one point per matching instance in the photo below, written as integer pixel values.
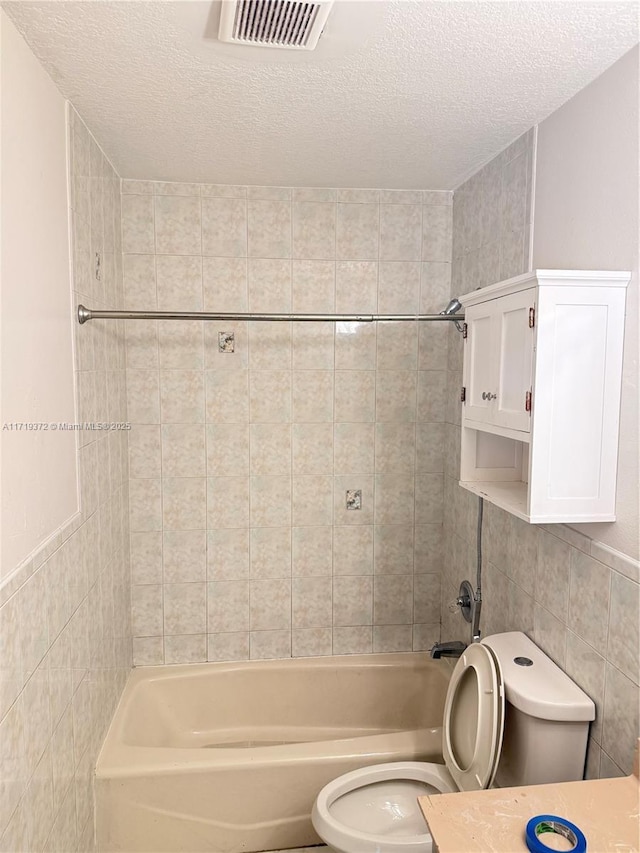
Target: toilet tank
(547, 716)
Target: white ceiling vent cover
(285, 24)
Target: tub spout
(452, 649)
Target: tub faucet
(452, 649)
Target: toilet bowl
(375, 809)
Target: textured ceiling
(397, 94)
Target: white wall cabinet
(541, 394)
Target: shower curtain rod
(85, 314)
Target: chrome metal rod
(85, 314)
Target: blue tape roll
(543, 823)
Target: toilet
(511, 717)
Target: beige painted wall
(586, 217)
(39, 473)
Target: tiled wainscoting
(65, 626)
(573, 596)
(249, 440)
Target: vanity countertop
(494, 820)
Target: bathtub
(228, 757)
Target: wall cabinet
(541, 394)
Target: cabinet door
(512, 380)
(480, 362)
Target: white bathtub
(228, 757)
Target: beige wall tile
(312, 396)
(354, 448)
(312, 551)
(146, 610)
(145, 505)
(355, 396)
(589, 596)
(269, 229)
(138, 224)
(353, 640)
(356, 287)
(396, 395)
(397, 346)
(178, 225)
(312, 448)
(227, 607)
(270, 644)
(353, 550)
(269, 284)
(224, 227)
(270, 553)
(180, 344)
(313, 346)
(400, 232)
(270, 501)
(185, 608)
(394, 498)
(552, 578)
(312, 500)
(230, 646)
(142, 345)
(352, 600)
(312, 600)
(270, 604)
(270, 449)
(270, 396)
(314, 230)
(395, 448)
(184, 557)
(620, 726)
(184, 503)
(183, 450)
(314, 285)
(227, 396)
(357, 232)
(227, 502)
(392, 638)
(393, 549)
(182, 396)
(227, 449)
(224, 282)
(145, 459)
(393, 599)
(228, 554)
(623, 641)
(311, 642)
(399, 287)
(436, 233)
(191, 648)
(179, 282)
(269, 346)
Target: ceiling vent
(274, 23)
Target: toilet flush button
(522, 661)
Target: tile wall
(286, 479)
(65, 632)
(575, 597)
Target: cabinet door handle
(487, 395)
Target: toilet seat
(473, 723)
(473, 727)
(345, 835)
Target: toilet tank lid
(541, 689)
